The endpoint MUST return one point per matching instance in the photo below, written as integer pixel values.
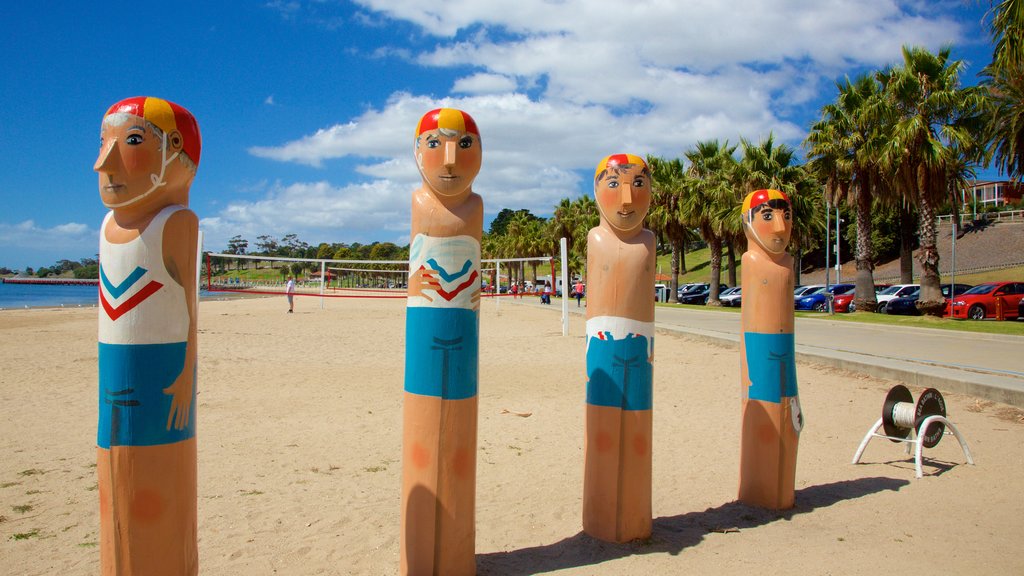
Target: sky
(307, 107)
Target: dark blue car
(907, 305)
(818, 301)
(700, 296)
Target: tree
(572, 220)
(1004, 80)
(844, 147)
(934, 121)
(709, 198)
(237, 245)
(666, 218)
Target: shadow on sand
(673, 534)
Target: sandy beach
(299, 437)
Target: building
(981, 194)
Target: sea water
(47, 295)
(53, 295)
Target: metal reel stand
(921, 425)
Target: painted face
(624, 196)
(449, 160)
(135, 161)
(770, 226)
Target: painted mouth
(113, 187)
(626, 214)
(449, 177)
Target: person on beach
(439, 427)
(289, 290)
(578, 292)
(771, 415)
(620, 352)
(146, 454)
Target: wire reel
(922, 424)
(900, 416)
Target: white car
(731, 296)
(894, 291)
(801, 291)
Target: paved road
(987, 366)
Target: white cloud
(555, 85)
(484, 84)
(27, 234)
(26, 243)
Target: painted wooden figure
(620, 352)
(146, 454)
(442, 342)
(772, 419)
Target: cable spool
(922, 424)
(898, 395)
(900, 416)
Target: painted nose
(627, 194)
(109, 161)
(449, 154)
(778, 223)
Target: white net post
(323, 270)
(563, 247)
(199, 269)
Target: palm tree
(933, 118)
(666, 217)
(572, 220)
(1006, 119)
(844, 149)
(1004, 79)
(709, 195)
(763, 165)
(1007, 31)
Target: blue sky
(307, 107)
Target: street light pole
(839, 266)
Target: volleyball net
(330, 278)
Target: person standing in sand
(620, 352)
(289, 290)
(771, 415)
(439, 422)
(146, 454)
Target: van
(660, 293)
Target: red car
(841, 302)
(980, 302)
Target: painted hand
(422, 280)
(181, 401)
(475, 298)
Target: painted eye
(433, 143)
(766, 216)
(134, 139)
(613, 184)
(466, 142)
(788, 215)
(639, 183)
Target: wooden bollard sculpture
(146, 454)
(620, 349)
(772, 419)
(441, 355)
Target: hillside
(996, 245)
